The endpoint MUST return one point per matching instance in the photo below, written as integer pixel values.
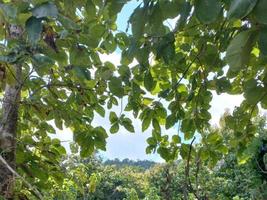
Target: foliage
(215, 46)
(92, 178)
(109, 182)
(143, 164)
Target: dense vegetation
(93, 178)
(52, 75)
(145, 164)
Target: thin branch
(36, 192)
(121, 106)
(188, 67)
(262, 170)
(66, 85)
(197, 170)
(187, 171)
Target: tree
(51, 73)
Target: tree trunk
(8, 129)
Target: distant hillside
(145, 164)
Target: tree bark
(8, 129)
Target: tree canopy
(51, 72)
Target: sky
(132, 145)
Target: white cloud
(222, 102)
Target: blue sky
(132, 145)
(125, 14)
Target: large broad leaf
(188, 128)
(9, 11)
(170, 121)
(241, 8)
(252, 91)
(238, 52)
(79, 56)
(45, 10)
(146, 123)
(184, 14)
(263, 41)
(115, 87)
(207, 11)
(260, 11)
(137, 21)
(115, 6)
(90, 10)
(170, 9)
(34, 29)
(41, 61)
(68, 23)
(149, 82)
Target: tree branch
(187, 173)
(36, 192)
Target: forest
(94, 69)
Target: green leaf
(8, 59)
(138, 25)
(115, 7)
(100, 110)
(213, 137)
(9, 10)
(90, 10)
(82, 73)
(184, 151)
(263, 41)
(113, 117)
(48, 9)
(68, 23)
(166, 48)
(207, 11)
(114, 128)
(79, 57)
(238, 51)
(128, 125)
(241, 8)
(42, 61)
(109, 44)
(38, 172)
(156, 125)
(149, 82)
(188, 128)
(185, 12)
(97, 31)
(170, 121)
(115, 87)
(151, 141)
(260, 12)
(164, 153)
(252, 91)
(34, 29)
(59, 123)
(169, 9)
(146, 122)
(176, 139)
(87, 150)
